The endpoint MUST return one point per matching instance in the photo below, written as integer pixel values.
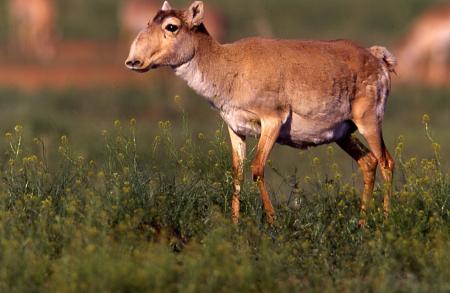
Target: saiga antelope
(32, 27)
(298, 93)
(427, 46)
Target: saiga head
(168, 39)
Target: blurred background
(62, 73)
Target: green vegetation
(123, 223)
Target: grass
(125, 223)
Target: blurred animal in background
(32, 27)
(135, 14)
(423, 53)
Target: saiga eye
(171, 28)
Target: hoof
(270, 219)
(362, 223)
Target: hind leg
(367, 163)
(371, 130)
(387, 165)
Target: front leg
(270, 129)
(238, 146)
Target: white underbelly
(242, 122)
(296, 131)
(309, 135)
(302, 132)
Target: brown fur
(299, 93)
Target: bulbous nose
(133, 63)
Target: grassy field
(91, 204)
(121, 223)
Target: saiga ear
(166, 6)
(195, 13)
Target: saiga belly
(296, 130)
